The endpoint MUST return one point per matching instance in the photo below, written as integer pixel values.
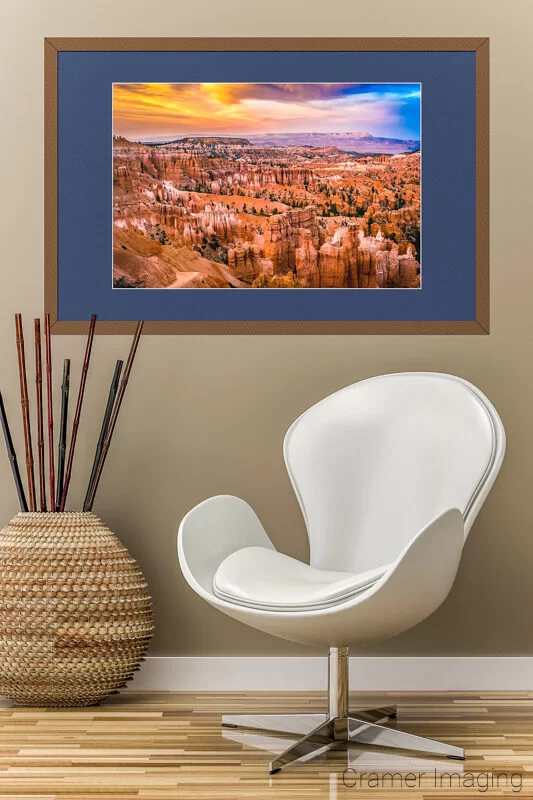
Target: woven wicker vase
(75, 613)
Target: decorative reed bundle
(59, 484)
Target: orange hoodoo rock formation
(228, 204)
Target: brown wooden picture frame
(53, 46)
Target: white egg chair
(390, 474)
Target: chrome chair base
(339, 726)
(319, 731)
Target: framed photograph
(267, 185)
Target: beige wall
(206, 415)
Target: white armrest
(213, 530)
(422, 576)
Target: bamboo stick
(113, 421)
(105, 423)
(40, 431)
(25, 406)
(77, 414)
(62, 446)
(50, 403)
(11, 454)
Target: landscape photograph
(266, 185)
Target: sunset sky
(153, 111)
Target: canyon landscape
(227, 186)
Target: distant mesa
(188, 141)
(360, 142)
(228, 140)
(349, 142)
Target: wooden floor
(161, 745)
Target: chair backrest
(375, 462)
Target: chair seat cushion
(261, 578)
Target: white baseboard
(239, 674)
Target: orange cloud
(160, 110)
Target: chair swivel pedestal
(339, 725)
